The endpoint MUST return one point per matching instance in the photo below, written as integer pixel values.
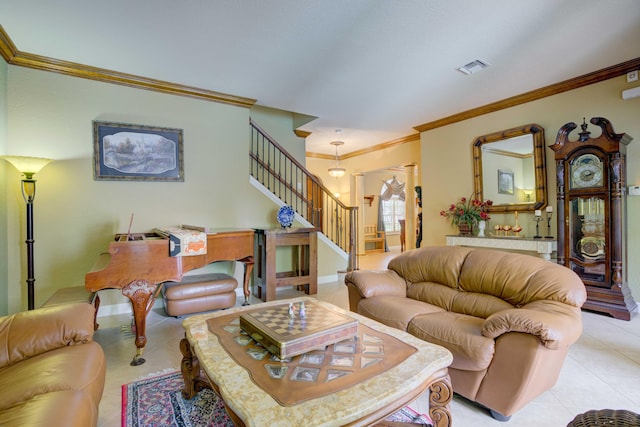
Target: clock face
(586, 171)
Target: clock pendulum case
(592, 214)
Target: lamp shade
(337, 172)
(27, 165)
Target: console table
(543, 247)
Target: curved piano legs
(141, 294)
(248, 268)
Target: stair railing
(291, 182)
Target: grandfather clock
(592, 209)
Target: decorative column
(357, 199)
(410, 207)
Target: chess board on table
(287, 335)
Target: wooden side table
(304, 261)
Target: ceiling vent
(473, 66)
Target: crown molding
(388, 144)
(554, 89)
(321, 156)
(301, 133)
(22, 59)
(14, 57)
(7, 48)
(402, 140)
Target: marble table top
(391, 389)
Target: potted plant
(467, 213)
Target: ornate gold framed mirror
(509, 168)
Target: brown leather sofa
(52, 373)
(508, 318)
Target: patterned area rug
(158, 401)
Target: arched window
(392, 198)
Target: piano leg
(141, 294)
(248, 268)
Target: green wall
(50, 115)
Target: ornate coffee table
(358, 381)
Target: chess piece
(291, 310)
(303, 311)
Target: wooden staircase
(280, 173)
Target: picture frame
(505, 181)
(129, 152)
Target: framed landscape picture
(505, 182)
(126, 152)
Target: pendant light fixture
(337, 171)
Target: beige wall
(50, 115)
(374, 167)
(447, 160)
(394, 156)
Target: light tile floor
(601, 371)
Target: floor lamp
(29, 166)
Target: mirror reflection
(509, 169)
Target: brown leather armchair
(52, 373)
(508, 318)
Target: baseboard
(332, 278)
(113, 309)
(124, 308)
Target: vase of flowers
(465, 228)
(467, 213)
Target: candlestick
(537, 219)
(549, 215)
(537, 212)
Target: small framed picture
(505, 181)
(126, 152)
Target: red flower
(468, 210)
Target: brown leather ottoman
(199, 293)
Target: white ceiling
(373, 68)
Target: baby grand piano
(138, 267)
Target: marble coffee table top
(387, 392)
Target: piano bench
(199, 293)
(73, 295)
